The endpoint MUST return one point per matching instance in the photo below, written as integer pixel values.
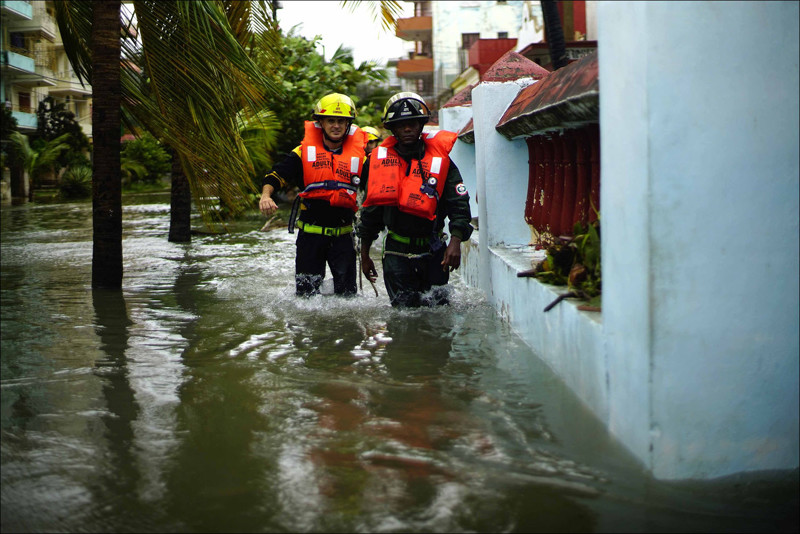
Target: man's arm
(456, 199)
(287, 172)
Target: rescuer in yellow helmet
(326, 167)
(373, 136)
(411, 186)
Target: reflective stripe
(312, 153)
(436, 165)
(322, 230)
(418, 241)
(381, 152)
(354, 161)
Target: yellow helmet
(335, 105)
(372, 133)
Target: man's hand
(367, 265)
(452, 256)
(368, 268)
(266, 204)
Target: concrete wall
(693, 363)
(699, 133)
(463, 154)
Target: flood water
(206, 397)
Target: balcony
(415, 28)
(26, 120)
(16, 10)
(16, 62)
(42, 25)
(29, 71)
(417, 67)
(67, 83)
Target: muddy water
(206, 397)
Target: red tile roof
(461, 98)
(513, 66)
(467, 133)
(570, 96)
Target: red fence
(563, 180)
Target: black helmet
(404, 106)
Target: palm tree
(34, 161)
(194, 79)
(554, 34)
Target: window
(25, 102)
(468, 38)
(502, 35)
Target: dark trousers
(313, 252)
(406, 280)
(438, 277)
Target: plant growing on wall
(574, 262)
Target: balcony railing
(68, 82)
(42, 23)
(415, 28)
(415, 68)
(18, 60)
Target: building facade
(691, 361)
(443, 33)
(35, 66)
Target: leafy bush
(147, 151)
(76, 182)
(53, 121)
(306, 77)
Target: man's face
(407, 132)
(335, 127)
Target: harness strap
(407, 241)
(293, 213)
(417, 241)
(330, 184)
(322, 230)
(407, 255)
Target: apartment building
(35, 66)
(443, 33)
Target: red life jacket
(417, 190)
(328, 176)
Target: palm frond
(185, 77)
(74, 19)
(386, 11)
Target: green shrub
(147, 151)
(76, 182)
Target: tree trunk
(17, 177)
(180, 209)
(554, 34)
(106, 174)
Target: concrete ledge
(568, 340)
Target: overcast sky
(338, 25)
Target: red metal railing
(563, 180)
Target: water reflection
(119, 479)
(206, 397)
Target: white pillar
(699, 211)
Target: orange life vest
(328, 176)
(417, 190)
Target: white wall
(699, 136)
(451, 19)
(463, 154)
